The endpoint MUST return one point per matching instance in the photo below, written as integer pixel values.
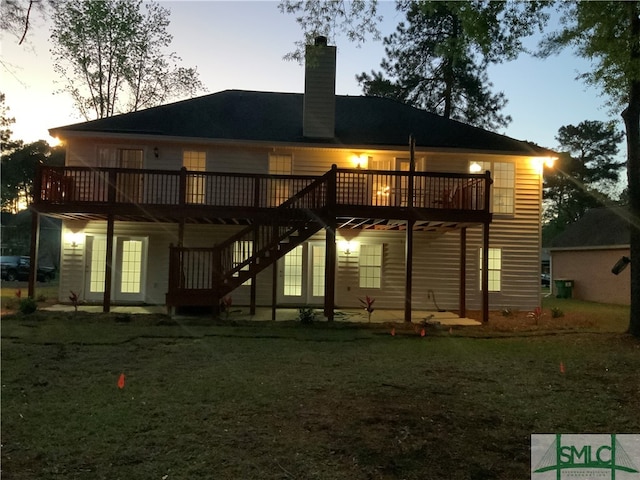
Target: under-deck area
(276, 213)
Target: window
(98, 254)
(503, 188)
(370, 266)
(495, 269)
(131, 272)
(242, 251)
(195, 162)
(292, 283)
(318, 263)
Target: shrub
(306, 315)
(556, 313)
(536, 315)
(367, 303)
(27, 305)
(507, 312)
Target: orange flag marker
(422, 333)
(121, 381)
(561, 367)
(393, 331)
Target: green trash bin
(564, 287)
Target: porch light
(620, 265)
(347, 246)
(541, 162)
(359, 161)
(156, 152)
(74, 239)
(475, 167)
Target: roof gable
(240, 115)
(599, 227)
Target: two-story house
(286, 199)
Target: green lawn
(287, 401)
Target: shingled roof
(250, 116)
(599, 227)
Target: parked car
(14, 267)
(545, 280)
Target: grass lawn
(264, 401)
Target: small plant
(27, 305)
(556, 313)
(536, 315)
(367, 303)
(306, 315)
(74, 299)
(41, 298)
(18, 293)
(507, 312)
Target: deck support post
(253, 287)
(330, 247)
(274, 279)
(462, 303)
(330, 271)
(485, 272)
(408, 280)
(108, 274)
(33, 253)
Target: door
(129, 269)
(301, 275)
(402, 182)
(280, 189)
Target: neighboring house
(296, 199)
(587, 250)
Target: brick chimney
(319, 90)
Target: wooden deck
(354, 195)
(279, 212)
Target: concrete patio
(288, 314)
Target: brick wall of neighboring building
(591, 272)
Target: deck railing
(77, 186)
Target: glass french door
(301, 275)
(129, 268)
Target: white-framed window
(370, 266)
(195, 161)
(495, 269)
(503, 191)
(242, 251)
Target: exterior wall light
(156, 152)
(74, 239)
(475, 167)
(348, 247)
(359, 161)
(620, 265)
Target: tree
(608, 33)
(585, 174)
(356, 18)
(111, 56)
(6, 144)
(18, 169)
(438, 61)
(16, 15)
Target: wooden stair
(242, 256)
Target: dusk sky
(240, 45)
